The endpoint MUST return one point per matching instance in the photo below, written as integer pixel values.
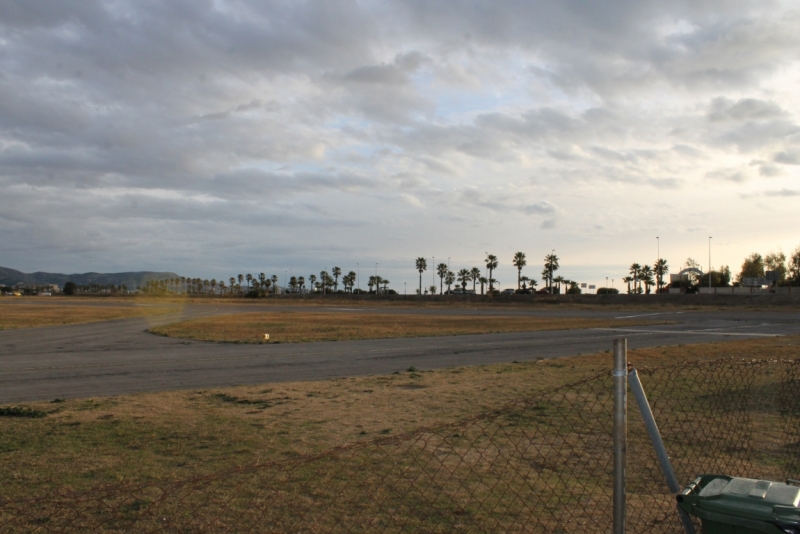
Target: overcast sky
(217, 137)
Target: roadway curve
(121, 357)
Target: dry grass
(299, 327)
(167, 436)
(14, 314)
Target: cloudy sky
(217, 137)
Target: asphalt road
(120, 357)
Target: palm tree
(323, 279)
(336, 272)
(483, 282)
(647, 278)
(261, 279)
(371, 282)
(213, 286)
(249, 279)
(293, 283)
(628, 280)
(491, 264)
(464, 276)
(301, 282)
(636, 272)
(519, 262)
(441, 270)
(422, 266)
(475, 273)
(433, 290)
(352, 280)
(240, 278)
(661, 268)
(313, 279)
(183, 281)
(222, 287)
(232, 280)
(559, 280)
(274, 279)
(449, 278)
(385, 283)
(550, 266)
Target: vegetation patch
(298, 327)
(16, 411)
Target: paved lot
(120, 357)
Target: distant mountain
(9, 277)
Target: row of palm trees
(474, 274)
(644, 275)
(325, 283)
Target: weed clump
(16, 411)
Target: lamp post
(709, 262)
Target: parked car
(523, 292)
(509, 291)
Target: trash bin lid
(739, 501)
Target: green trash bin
(728, 505)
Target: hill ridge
(9, 277)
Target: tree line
(474, 275)
(261, 284)
(641, 278)
(784, 272)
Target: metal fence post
(658, 445)
(619, 374)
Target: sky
(213, 137)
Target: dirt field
(85, 442)
(299, 327)
(15, 314)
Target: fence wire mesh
(540, 464)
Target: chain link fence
(540, 464)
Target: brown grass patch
(15, 315)
(174, 435)
(300, 327)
